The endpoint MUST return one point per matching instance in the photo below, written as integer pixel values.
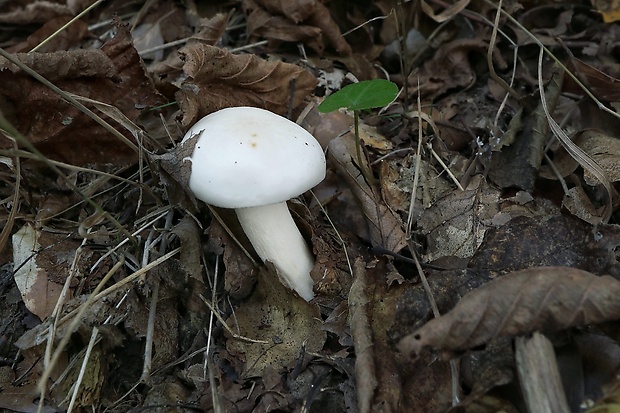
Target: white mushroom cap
(247, 157)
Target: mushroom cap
(247, 157)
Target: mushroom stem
(276, 238)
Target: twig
(539, 375)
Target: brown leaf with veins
(543, 298)
(307, 21)
(220, 79)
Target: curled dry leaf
(384, 227)
(220, 79)
(519, 303)
(57, 66)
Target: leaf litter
(121, 292)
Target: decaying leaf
(286, 323)
(577, 202)
(545, 298)
(304, 21)
(397, 176)
(385, 229)
(450, 68)
(548, 241)
(67, 38)
(456, 223)
(604, 150)
(602, 85)
(600, 146)
(113, 75)
(220, 79)
(240, 270)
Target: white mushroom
(253, 161)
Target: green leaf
(359, 96)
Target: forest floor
(465, 234)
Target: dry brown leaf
(297, 10)
(263, 24)
(71, 35)
(114, 75)
(544, 298)
(240, 272)
(283, 20)
(220, 79)
(34, 12)
(385, 228)
(456, 223)
(602, 85)
(450, 68)
(603, 148)
(58, 66)
(576, 201)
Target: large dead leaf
(546, 298)
(282, 322)
(220, 79)
(113, 75)
(548, 241)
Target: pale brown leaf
(279, 324)
(385, 229)
(220, 79)
(544, 298)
